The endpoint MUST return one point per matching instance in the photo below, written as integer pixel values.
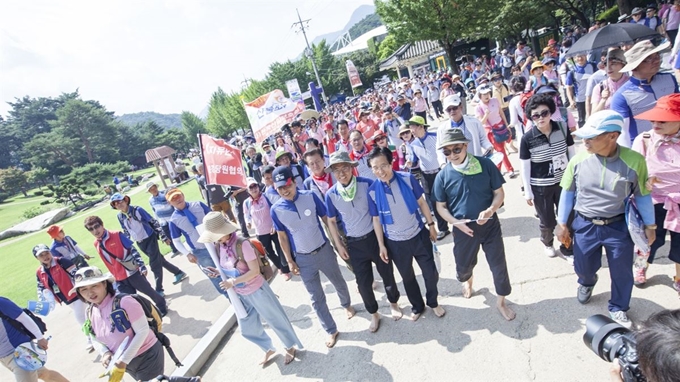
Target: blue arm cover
(646, 208)
(566, 205)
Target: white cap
(452, 100)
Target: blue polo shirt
(271, 194)
(426, 150)
(161, 207)
(10, 338)
(299, 219)
(180, 225)
(406, 225)
(578, 78)
(467, 195)
(357, 220)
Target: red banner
(223, 164)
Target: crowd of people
(371, 182)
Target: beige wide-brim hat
(215, 226)
(339, 157)
(640, 51)
(87, 276)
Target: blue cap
(116, 197)
(282, 176)
(604, 121)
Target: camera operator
(658, 341)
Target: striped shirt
(426, 150)
(68, 248)
(406, 225)
(271, 194)
(548, 155)
(257, 212)
(299, 219)
(356, 219)
(180, 225)
(161, 208)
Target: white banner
(353, 73)
(269, 112)
(294, 92)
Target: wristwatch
(430, 224)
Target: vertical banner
(269, 112)
(294, 92)
(223, 164)
(353, 73)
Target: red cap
(328, 126)
(552, 41)
(667, 109)
(53, 231)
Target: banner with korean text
(269, 112)
(353, 74)
(223, 164)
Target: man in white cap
(644, 87)
(604, 177)
(479, 144)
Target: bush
(99, 171)
(38, 193)
(45, 202)
(90, 192)
(33, 212)
(49, 194)
(3, 196)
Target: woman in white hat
(258, 299)
(143, 357)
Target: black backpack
(21, 328)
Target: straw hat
(215, 226)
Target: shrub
(38, 193)
(3, 196)
(33, 212)
(45, 202)
(90, 192)
(49, 194)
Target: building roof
(159, 153)
(410, 51)
(361, 42)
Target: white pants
(80, 313)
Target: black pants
(136, 283)
(438, 108)
(79, 261)
(420, 249)
(660, 217)
(361, 254)
(166, 231)
(672, 34)
(242, 220)
(581, 108)
(507, 73)
(422, 114)
(490, 238)
(278, 257)
(150, 364)
(156, 260)
(546, 200)
(428, 183)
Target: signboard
(269, 112)
(353, 73)
(294, 92)
(223, 164)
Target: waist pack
(21, 328)
(500, 133)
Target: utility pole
(309, 53)
(245, 83)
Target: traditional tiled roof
(159, 153)
(411, 50)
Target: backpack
(21, 328)
(153, 223)
(265, 267)
(153, 317)
(523, 99)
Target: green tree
(13, 180)
(445, 21)
(50, 150)
(68, 190)
(192, 125)
(511, 18)
(38, 175)
(388, 46)
(177, 139)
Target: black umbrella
(611, 35)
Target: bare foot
(396, 312)
(439, 311)
(507, 313)
(287, 276)
(290, 356)
(467, 288)
(416, 316)
(332, 339)
(350, 312)
(268, 354)
(375, 323)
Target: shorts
(20, 374)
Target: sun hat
(667, 109)
(418, 120)
(452, 100)
(484, 89)
(552, 41)
(172, 194)
(282, 176)
(87, 276)
(547, 49)
(281, 153)
(266, 144)
(451, 137)
(404, 129)
(118, 197)
(40, 248)
(548, 60)
(215, 226)
(603, 121)
(339, 157)
(536, 65)
(54, 230)
(364, 112)
(251, 181)
(151, 184)
(617, 55)
(640, 51)
(504, 51)
(376, 135)
(637, 11)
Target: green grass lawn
(18, 266)
(12, 213)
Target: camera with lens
(609, 341)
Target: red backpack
(523, 99)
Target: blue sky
(152, 55)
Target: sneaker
(513, 174)
(89, 348)
(549, 251)
(161, 293)
(639, 276)
(443, 234)
(179, 277)
(570, 259)
(585, 292)
(621, 318)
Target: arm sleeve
(30, 325)
(180, 246)
(140, 327)
(127, 243)
(566, 205)
(526, 179)
(246, 211)
(438, 191)
(79, 250)
(40, 288)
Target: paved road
(472, 342)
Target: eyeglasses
(253, 187)
(451, 109)
(86, 274)
(656, 57)
(382, 167)
(540, 115)
(93, 227)
(455, 150)
(115, 202)
(341, 169)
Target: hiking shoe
(179, 277)
(513, 174)
(443, 234)
(585, 292)
(639, 276)
(161, 293)
(621, 318)
(549, 251)
(570, 259)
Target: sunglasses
(455, 150)
(380, 139)
(94, 227)
(88, 273)
(253, 186)
(451, 109)
(540, 115)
